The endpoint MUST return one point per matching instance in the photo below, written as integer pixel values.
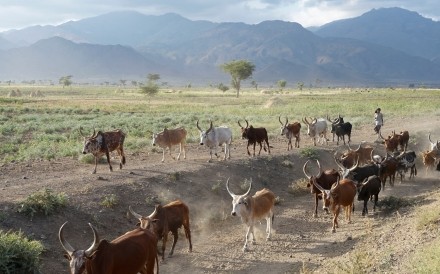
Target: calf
(253, 208)
(340, 129)
(101, 143)
(367, 190)
(131, 253)
(171, 137)
(317, 128)
(290, 130)
(341, 194)
(254, 136)
(324, 179)
(166, 219)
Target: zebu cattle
(317, 128)
(432, 144)
(431, 159)
(254, 136)
(361, 154)
(341, 194)
(324, 179)
(214, 137)
(290, 131)
(166, 219)
(100, 143)
(402, 139)
(131, 253)
(340, 129)
(387, 169)
(358, 173)
(171, 137)
(391, 143)
(367, 190)
(407, 161)
(252, 209)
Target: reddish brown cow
(166, 219)
(403, 139)
(290, 131)
(134, 252)
(391, 143)
(349, 157)
(170, 137)
(254, 136)
(101, 143)
(341, 194)
(324, 179)
(430, 158)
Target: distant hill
(129, 45)
(392, 27)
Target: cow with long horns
(102, 143)
(171, 137)
(317, 128)
(131, 253)
(433, 145)
(252, 209)
(290, 131)
(214, 137)
(254, 136)
(325, 179)
(166, 219)
(340, 129)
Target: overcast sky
(17, 14)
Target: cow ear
(99, 138)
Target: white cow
(252, 209)
(317, 128)
(214, 137)
(170, 137)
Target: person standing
(378, 120)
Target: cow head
(391, 142)
(150, 222)
(311, 126)
(155, 135)
(77, 258)
(239, 202)
(347, 173)
(311, 177)
(204, 134)
(93, 143)
(244, 130)
(284, 129)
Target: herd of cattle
(359, 172)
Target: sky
(18, 14)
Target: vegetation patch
(43, 202)
(299, 187)
(391, 203)
(19, 254)
(309, 153)
(109, 201)
(425, 260)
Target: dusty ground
(299, 242)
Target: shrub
(309, 152)
(299, 187)
(19, 254)
(109, 201)
(392, 203)
(43, 201)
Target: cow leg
(175, 236)
(96, 165)
(269, 225)
(335, 218)
(365, 209)
(163, 155)
(376, 197)
(122, 155)
(164, 243)
(188, 235)
(107, 154)
(245, 247)
(316, 206)
(261, 146)
(248, 149)
(268, 147)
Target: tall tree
(239, 70)
(66, 80)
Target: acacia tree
(66, 80)
(281, 84)
(239, 70)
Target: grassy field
(48, 127)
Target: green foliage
(309, 153)
(425, 260)
(19, 254)
(239, 70)
(43, 202)
(150, 89)
(222, 87)
(392, 203)
(360, 262)
(66, 80)
(281, 84)
(298, 187)
(109, 201)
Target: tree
(151, 88)
(239, 70)
(300, 85)
(123, 82)
(66, 80)
(153, 77)
(222, 87)
(281, 84)
(254, 84)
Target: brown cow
(131, 253)
(391, 143)
(254, 136)
(290, 130)
(342, 193)
(349, 157)
(387, 169)
(171, 137)
(403, 139)
(324, 179)
(101, 143)
(430, 159)
(166, 219)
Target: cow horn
(210, 127)
(338, 163)
(239, 124)
(304, 170)
(279, 119)
(247, 123)
(94, 246)
(328, 119)
(227, 188)
(287, 121)
(80, 132)
(318, 186)
(249, 190)
(429, 137)
(197, 124)
(66, 246)
(355, 166)
(94, 133)
(306, 121)
(154, 212)
(320, 169)
(136, 215)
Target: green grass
(425, 260)
(48, 127)
(43, 202)
(18, 254)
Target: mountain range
(383, 47)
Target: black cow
(340, 129)
(254, 136)
(357, 173)
(367, 190)
(407, 160)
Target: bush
(392, 203)
(43, 202)
(109, 201)
(309, 153)
(18, 254)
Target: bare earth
(299, 242)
